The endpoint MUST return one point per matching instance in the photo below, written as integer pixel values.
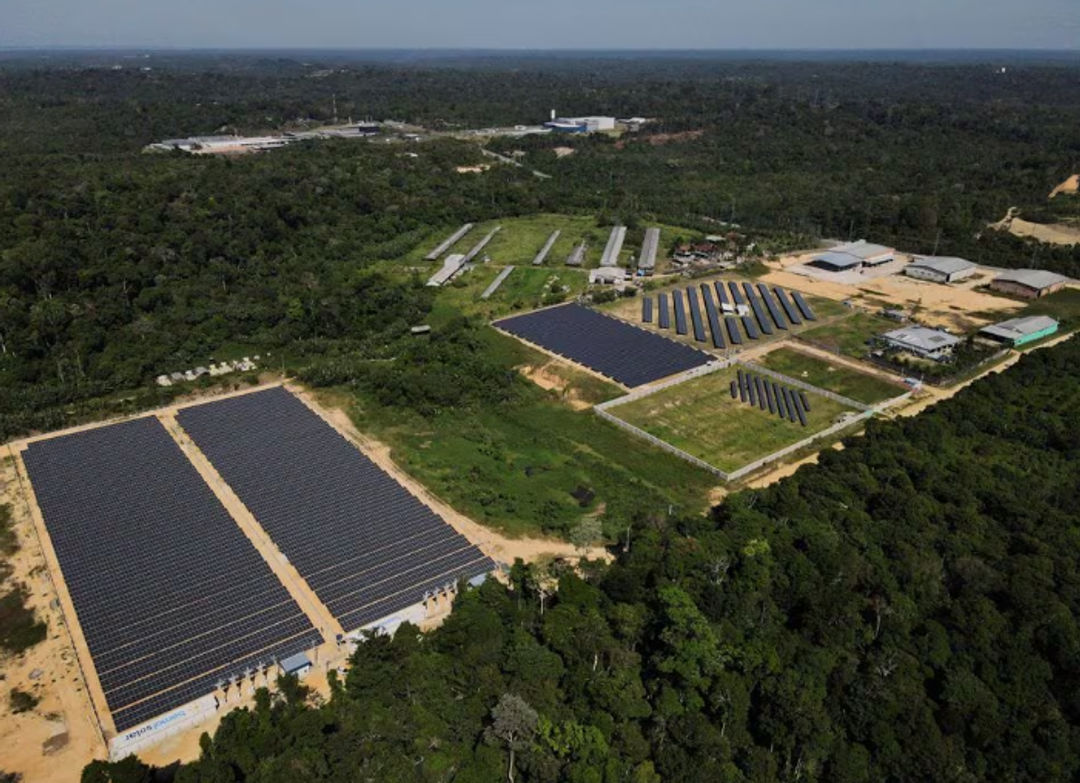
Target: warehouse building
(1020, 331)
(853, 255)
(591, 124)
(1029, 283)
(922, 341)
(940, 269)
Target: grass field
(859, 386)
(700, 417)
(849, 336)
(1063, 305)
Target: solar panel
(769, 397)
(742, 386)
(170, 594)
(759, 311)
(805, 402)
(680, 312)
(721, 292)
(665, 314)
(751, 391)
(734, 389)
(789, 308)
(715, 329)
(627, 353)
(365, 545)
(646, 309)
(774, 311)
(781, 408)
(750, 327)
(760, 392)
(798, 407)
(695, 314)
(804, 306)
(789, 403)
(736, 294)
(733, 329)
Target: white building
(853, 255)
(922, 341)
(940, 269)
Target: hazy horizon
(560, 25)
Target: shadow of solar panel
(357, 537)
(630, 355)
(695, 314)
(789, 308)
(169, 593)
(770, 303)
(665, 314)
(646, 309)
(803, 305)
(680, 312)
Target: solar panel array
(714, 319)
(695, 315)
(665, 313)
(170, 595)
(364, 544)
(760, 392)
(646, 309)
(680, 312)
(630, 355)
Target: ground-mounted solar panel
(664, 316)
(805, 401)
(789, 308)
(365, 544)
(789, 403)
(797, 405)
(781, 407)
(736, 294)
(626, 353)
(695, 315)
(759, 311)
(742, 385)
(734, 389)
(760, 392)
(715, 330)
(774, 309)
(750, 327)
(732, 323)
(721, 292)
(751, 391)
(646, 309)
(170, 594)
(680, 312)
(769, 401)
(804, 306)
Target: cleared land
(861, 387)
(849, 336)
(700, 417)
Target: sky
(544, 24)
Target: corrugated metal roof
(1033, 278)
(864, 250)
(1020, 327)
(946, 265)
(837, 259)
(922, 337)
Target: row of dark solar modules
(630, 355)
(170, 595)
(366, 546)
(783, 401)
(754, 309)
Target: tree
(585, 533)
(513, 724)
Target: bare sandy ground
(1051, 233)
(546, 377)
(1071, 185)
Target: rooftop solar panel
(626, 353)
(680, 312)
(695, 314)
(803, 305)
(789, 308)
(364, 544)
(646, 309)
(169, 593)
(665, 313)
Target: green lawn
(849, 336)
(1063, 305)
(858, 386)
(700, 417)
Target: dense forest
(117, 266)
(906, 610)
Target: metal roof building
(647, 261)
(1019, 331)
(922, 341)
(836, 262)
(1029, 283)
(853, 255)
(940, 269)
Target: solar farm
(185, 597)
(606, 345)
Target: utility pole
(937, 241)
